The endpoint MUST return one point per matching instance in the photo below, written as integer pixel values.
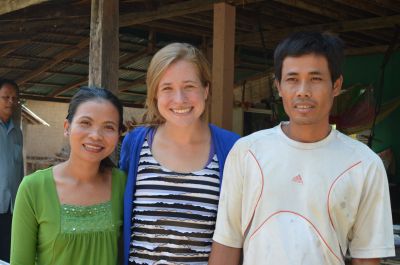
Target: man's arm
(365, 261)
(221, 254)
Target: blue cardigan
(223, 141)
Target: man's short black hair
(5, 81)
(303, 43)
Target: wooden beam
(342, 26)
(43, 84)
(128, 19)
(44, 24)
(170, 28)
(316, 8)
(12, 47)
(8, 6)
(134, 93)
(371, 7)
(175, 10)
(104, 44)
(24, 57)
(67, 100)
(84, 81)
(135, 56)
(11, 37)
(57, 59)
(140, 81)
(166, 11)
(69, 87)
(52, 10)
(368, 50)
(223, 65)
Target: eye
(291, 79)
(110, 128)
(84, 123)
(316, 78)
(166, 88)
(189, 86)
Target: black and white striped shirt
(173, 213)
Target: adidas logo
(298, 179)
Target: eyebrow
(311, 73)
(315, 73)
(185, 82)
(89, 118)
(291, 73)
(85, 117)
(189, 81)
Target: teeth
(303, 107)
(93, 147)
(181, 111)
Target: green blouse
(47, 232)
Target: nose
(304, 89)
(96, 133)
(180, 95)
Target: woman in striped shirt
(174, 164)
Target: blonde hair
(160, 62)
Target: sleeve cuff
(373, 253)
(227, 241)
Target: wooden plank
(8, 6)
(135, 56)
(175, 10)
(44, 24)
(367, 6)
(67, 100)
(223, 65)
(368, 50)
(84, 81)
(104, 44)
(128, 19)
(69, 87)
(12, 47)
(57, 59)
(172, 29)
(166, 11)
(134, 93)
(140, 81)
(342, 26)
(317, 8)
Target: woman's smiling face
(181, 96)
(93, 132)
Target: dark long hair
(86, 94)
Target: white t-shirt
(288, 203)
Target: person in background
(11, 161)
(174, 164)
(72, 213)
(303, 193)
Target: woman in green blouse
(71, 214)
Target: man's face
(8, 101)
(307, 90)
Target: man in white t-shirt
(302, 192)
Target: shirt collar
(7, 124)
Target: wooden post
(104, 48)
(104, 44)
(223, 65)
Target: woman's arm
(24, 229)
